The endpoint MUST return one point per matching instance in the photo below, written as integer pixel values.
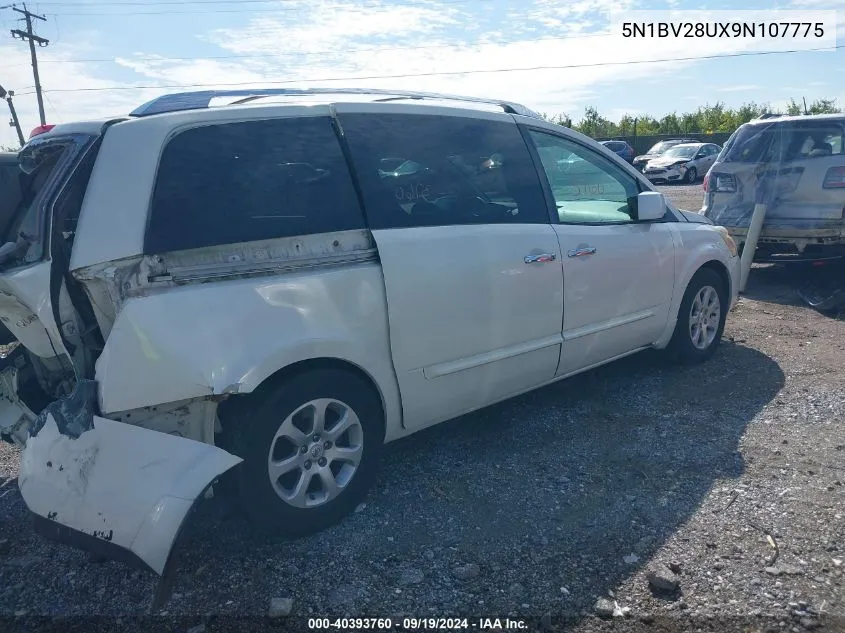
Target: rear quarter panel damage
(216, 338)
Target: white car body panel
(617, 298)
(120, 483)
(470, 321)
(696, 247)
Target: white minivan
(282, 281)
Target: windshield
(662, 146)
(681, 151)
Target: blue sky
(106, 56)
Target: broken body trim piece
(119, 490)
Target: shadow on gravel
(547, 491)
(821, 288)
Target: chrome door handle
(584, 250)
(540, 259)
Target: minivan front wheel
(311, 446)
(701, 318)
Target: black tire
(255, 434)
(681, 348)
(691, 175)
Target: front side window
(453, 170)
(252, 180)
(592, 190)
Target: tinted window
(812, 140)
(592, 190)
(252, 180)
(455, 170)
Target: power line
(446, 73)
(162, 2)
(369, 49)
(279, 9)
(157, 2)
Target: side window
(587, 188)
(453, 170)
(251, 180)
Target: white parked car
(685, 162)
(204, 284)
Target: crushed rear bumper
(118, 490)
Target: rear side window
(251, 180)
(453, 170)
(753, 144)
(812, 140)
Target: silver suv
(796, 166)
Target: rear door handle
(579, 252)
(540, 259)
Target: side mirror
(650, 206)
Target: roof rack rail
(198, 100)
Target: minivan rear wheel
(311, 447)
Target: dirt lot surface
(731, 473)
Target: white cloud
(331, 39)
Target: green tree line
(707, 119)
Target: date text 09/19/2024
(417, 624)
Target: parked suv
(796, 165)
(286, 283)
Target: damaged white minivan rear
(282, 281)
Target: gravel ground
(731, 473)
(687, 197)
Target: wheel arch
(720, 269)
(236, 405)
(702, 259)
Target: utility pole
(33, 39)
(14, 122)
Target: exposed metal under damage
(129, 452)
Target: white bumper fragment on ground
(124, 485)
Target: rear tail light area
(720, 183)
(834, 178)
